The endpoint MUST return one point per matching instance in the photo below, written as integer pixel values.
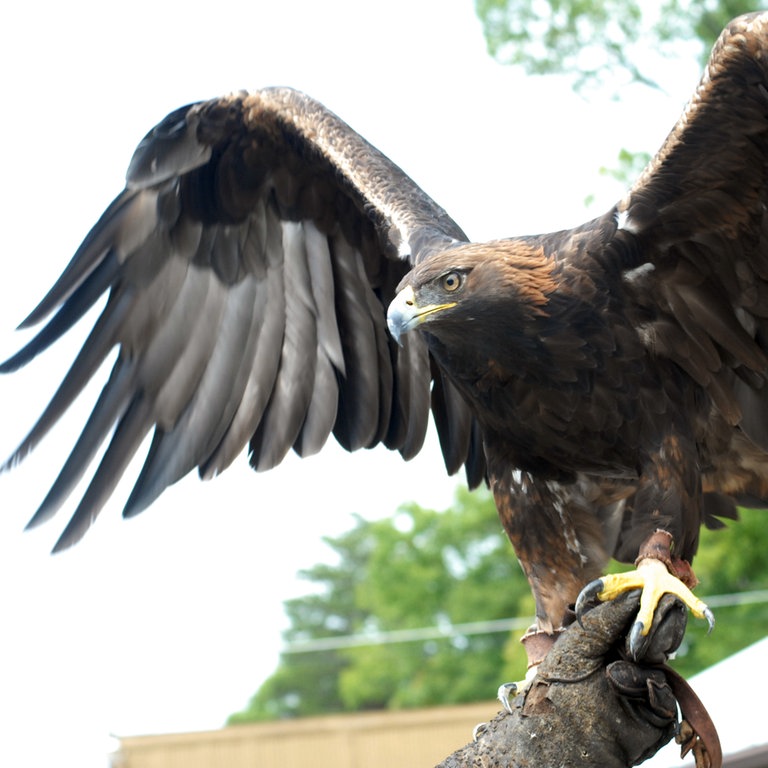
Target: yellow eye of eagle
(451, 281)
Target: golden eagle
(266, 269)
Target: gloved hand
(589, 705)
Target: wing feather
(358, 414)
(417, 395)
(91, 356)
(114, 400)
(133, 427)
(329, 365)
(320, 268)
(292, 392)
(453, 423)
(75, 306)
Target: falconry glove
(590, 703)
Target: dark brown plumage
(607, 381)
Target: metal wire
(473, 628)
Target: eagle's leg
(656, 573)
(560, 548)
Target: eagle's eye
(451, 282)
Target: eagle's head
(473, 292)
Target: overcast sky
(170, 622)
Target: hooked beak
(404, 314)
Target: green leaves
(599, 42)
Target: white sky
(171, 621)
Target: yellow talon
(654, 580)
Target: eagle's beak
(404, 314)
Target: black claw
(586, 596)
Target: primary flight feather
(273, 279)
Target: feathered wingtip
(94, 251)
(79, 302)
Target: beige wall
(408, 739)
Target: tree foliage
(594, 42)
(597, 43)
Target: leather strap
(697, 731)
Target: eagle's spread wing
(249, 263)
(698, 212)
(699, 291)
